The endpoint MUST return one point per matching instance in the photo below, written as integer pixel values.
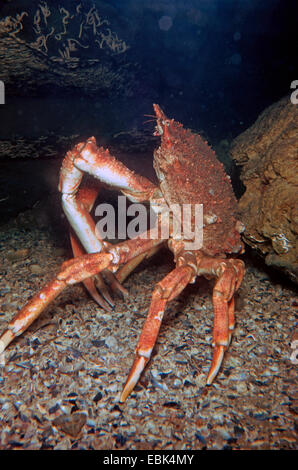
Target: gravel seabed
(60, 381)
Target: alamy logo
(180, 221)
(2, 92)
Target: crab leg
(104, 300)
(77, 203)
(125, 270)
(230, 275)
(164, 291)
(99, 163)
(82, 205)
(74, 271)
(86, 198)
(82, 268)
(77, 206)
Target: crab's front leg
(73, 271)
(99, 163)
(77, 203)
(165, 290)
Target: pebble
(5, 290)
(97, 397)
(241, 387)
(112, 343)
(60, 252)
(177, 383)
(64, 444)
(70, 424)
(36, 269)
(200, 438)
(17, 255)
(238, 377)
(224, 433)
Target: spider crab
(188, 172)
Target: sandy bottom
(60, 381)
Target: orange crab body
(190, 173)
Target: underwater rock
(76, 49)
(268, 154)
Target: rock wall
(55, 48)
(268, 155)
